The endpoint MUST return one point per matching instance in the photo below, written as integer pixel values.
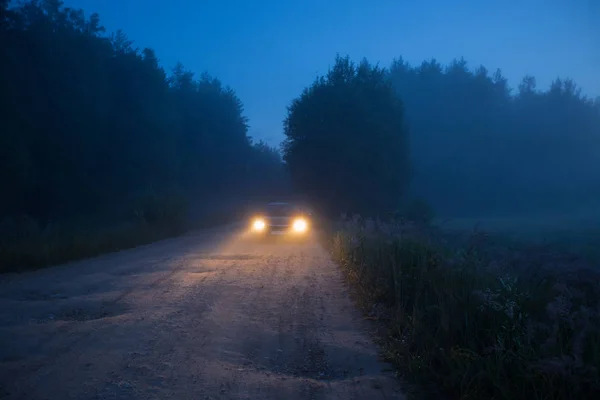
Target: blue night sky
(269, 50)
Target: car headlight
(300, 225)
(259, 224)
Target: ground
(210, 315)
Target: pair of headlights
(299, 225)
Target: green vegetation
(346, 145)
(481, 317)
(365, 139)
(477, 317)
(100, 149)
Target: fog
(403, 127)
(480, 147)
(136, 112)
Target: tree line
(364, 139)
(90, 125)
(479, 146)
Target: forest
(479, 147)
(460, 140)
(461, 314)
(95, 134)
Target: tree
(479, 149)
(89, 124)
(346, 144)
(527, 86)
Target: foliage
(478, 318)
(479, 148)
(53, 244)
(93, 128)
(476, 146)
(345, 144)
(160, 210)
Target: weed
(26, 244)
(478, 317)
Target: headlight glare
(259, 224)
(300, 225)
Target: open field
(506, 309)
(529, 225)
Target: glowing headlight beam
(299, 225)
(259, 225)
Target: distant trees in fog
(474, 145)
(478, 146)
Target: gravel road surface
(210, 315)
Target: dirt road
(205, 316)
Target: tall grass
(27, 244)
(478, 318)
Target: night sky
(269, 50)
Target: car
(281, 218)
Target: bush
(55, 244)
(166, 210)
(473, 324)
(26, 244)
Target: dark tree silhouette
(90, 125)
(345, 144)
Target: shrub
(25, 243)
(472, 324)
(56, 244)
(166, 210)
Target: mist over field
(123, 123)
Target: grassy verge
(478, 317)
(25, 244)
(53, 246)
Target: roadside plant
(470, 325)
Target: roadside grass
(478, 315)
(25, 244)
(52, 245)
